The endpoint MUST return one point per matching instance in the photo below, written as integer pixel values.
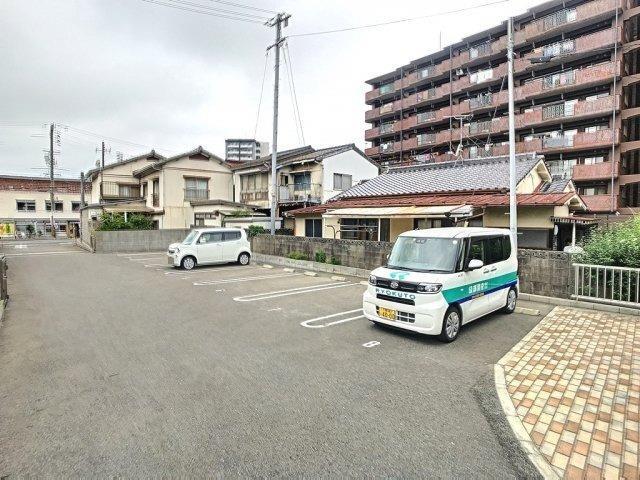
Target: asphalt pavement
(117, 365)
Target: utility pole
(277, 22)
(101, 170)
(513, 210)
(51, 186)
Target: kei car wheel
(512, 298)
(243, 258)
(451, 324)
(188, 263)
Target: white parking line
(292, 291)
(307, 323)
(144, 259)
(149, 265)
(208, 270)
(39, 253)
(137, 254)
(245, 279)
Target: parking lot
(122, 365)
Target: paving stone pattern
(575, 383)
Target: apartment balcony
(480, 78)
(599, 203)
(383, 129)
(566, 20)
(195, 194)
(572, 49)
(479, 53)
(423, 74)
(378, 112)
(252, 196)
(597, 171)
(579, 141)
(380, 92)
(300, 193)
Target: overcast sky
(172, 80)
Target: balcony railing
(596, 171)
(426, 116)
(155, 200)
(300, 192)
(259, 195)
(599, 203)
(115, 190)
(426, 139)
(196, 194)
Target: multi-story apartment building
(577, 99)
(25, 205)
(244, 149)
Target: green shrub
(116, 221)
(140, 222)
(254, 230)
(617, 246)
(298, 256)
(321, 257)
(335, 261)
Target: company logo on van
(394, 285)
(399, 275)
(394, 293)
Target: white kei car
(205, 246)
(438, 279)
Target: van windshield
(424, 254)
(190, 237)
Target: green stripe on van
(465, 291)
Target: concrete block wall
(351, 253)
(545, 272)
(542, 272)
(137, 240)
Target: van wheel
(512, 298)
(451, 324)
(243, 258)
(188, 263)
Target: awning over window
(576, 220)
(130, 208)
(439, 211)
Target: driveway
(117, 365)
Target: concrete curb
(84, 246)
(3, 304)
(535, 457)
(308, 265)
(565, 302)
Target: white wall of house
(350, 163)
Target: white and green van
(438, 279)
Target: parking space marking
(41, 253)
(208, 270)
(144, 259)
(292, 291)
(371, 344)
(149, 265)
(137, 254)
(307, 323)
(244, 279)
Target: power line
(402, 20)
(221, 10)
(111, 139)
(292, 87)
(240, 5)
(202, 12)
(264, 75)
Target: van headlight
(373, 280)
(176, 250)
(429, 287)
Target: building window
(593, 190)
(302, 181)
(75, 206)
(341, 181)
(196, 189)
(562, 168)
(313, 227)
(47, 206)
(26, 205)
(593, 160)
(359, 228)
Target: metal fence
(3, 278)
(606, 284)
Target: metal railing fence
(607, 284)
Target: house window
(593, 190)
(196, 188)
(47, 206)
(26, 205)
(341, 181)
(302, 181)
(359, 228)
(313, 227)
(75, 206)
(593, 160)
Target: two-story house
(25, 205)
(177, 192)
(305, 176)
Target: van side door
(501, 272)
(474, 302)
(230, 246)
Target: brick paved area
(574, 381)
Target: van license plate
(387, 313)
